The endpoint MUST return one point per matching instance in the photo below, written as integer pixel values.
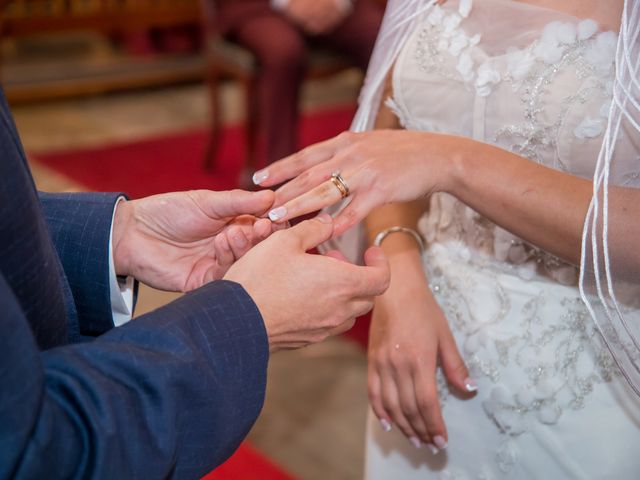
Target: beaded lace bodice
(537, 83)
(543, 95)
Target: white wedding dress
(551, 402)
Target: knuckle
(351, 216)
(348, 325)
(381, 363)
(319, 337)
(374, 397)
(300, 157)
(410, 411)
(327, 190)
(366, 307)
(393, 408)
(338, 319)
(304, 178)
(347, 136)
(427, 403)
(281, 236)
(397, 361)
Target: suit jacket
(170, 394)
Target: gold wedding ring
(340, 184)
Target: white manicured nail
(386, 426)
(260, 176)
(470, 385)
(415, 442)
(277, 213)
(440, 442)
(432, 448)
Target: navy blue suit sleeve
(170, 394)
(80, 224)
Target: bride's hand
(379, 167)
(409, 334)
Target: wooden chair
(22, 18)
(226, 59)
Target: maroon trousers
(281, 51)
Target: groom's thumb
(312, 233)
(240, 202)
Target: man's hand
(304, 298)
(317, 17)
(180, 241)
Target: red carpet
(173, 163)
(247, 464)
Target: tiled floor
(313, 419)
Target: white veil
(400, 20)
(609, 276)
(609, 281)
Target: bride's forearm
(543, 206)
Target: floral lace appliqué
(558, 361)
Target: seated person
(278, 33)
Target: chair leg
(213, 143)
(252, 133)
(252, 125)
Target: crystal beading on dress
(562, 47)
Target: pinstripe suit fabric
(170, 394)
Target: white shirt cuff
(121, 291)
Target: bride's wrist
(454, 164)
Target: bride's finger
(353, 213)
(375, 399)
(411, 411)
(391, 404)
(295, 164)
(429, 406)
(303, 183)
(322, 196)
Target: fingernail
(440, 442)
(386, 426)
(415, 442)
(432, 448)
(470, 385)
(324, 218)
(277, 213)
(260, 176)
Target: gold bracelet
(388, 231)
